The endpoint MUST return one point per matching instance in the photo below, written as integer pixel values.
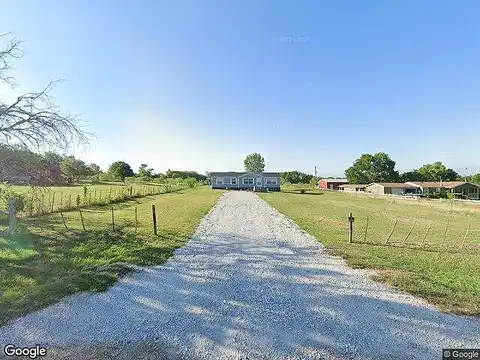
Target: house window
(247, 181)
(233, 181)
(272, 181)
(259, 181)
(219, 181)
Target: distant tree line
(296, 177)
(20, 165)
(379, 167)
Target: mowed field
(46, 199)
(430, 253)
(46, 262)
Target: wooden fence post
(466, 234)
(113, 219)
(101, 198)
(445, 232)
(391, 232)
(63, 219)
(61, 200)
(90, 198)
(351, 219)
(81, 218)
(53, 202)
(12, 221)
(154, 215)
(69, 201)
(136, 219)
(408, 235)
(426, 233)
(366, 229)
(43, 204)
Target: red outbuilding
(331, 184)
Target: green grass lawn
(443, 268)
(47, 262)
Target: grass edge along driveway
(43, 264)
(447, 279)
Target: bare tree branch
(33, 120)
(11, 52)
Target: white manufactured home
(269, 181)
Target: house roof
(236, 173)
(335, 180)
(353, 185)
(396, 185)
(443, 184)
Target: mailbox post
(351, 219)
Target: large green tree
(413, 175)
(254, 163)
(119, 170)
(437, 172)
(73, 169)
(145, 172)
(372, 168)
(296, 177)
(52, 158)
(474, 178)
(94, 169)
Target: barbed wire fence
(450, 233)
(87, 212)
(41, 202)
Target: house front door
(258, 182)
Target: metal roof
(237, 173)
(396, 185)
(353, 185)
(443, 184)
(335, 180)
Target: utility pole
(315, 171)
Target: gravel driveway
(249, 285)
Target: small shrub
(20, 200)
(302, 191)
(191, 182)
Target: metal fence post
(154, 215)
(351, 219)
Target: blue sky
(200, 84)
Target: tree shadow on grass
(297, 192)
(287, 300)
(65, 262)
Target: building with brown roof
(392, 188)
(461, 189)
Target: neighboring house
(392, 188)
(246, 180)
(332, 184)
(352, 187)
(51, 175)
(24, 174)
(459, 188)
